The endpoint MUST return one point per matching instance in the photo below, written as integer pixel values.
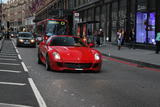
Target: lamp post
(1, 15)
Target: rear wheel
(48, 68)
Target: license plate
(26, 43)
(79, 69)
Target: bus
(51, 27)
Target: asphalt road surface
(118, 85)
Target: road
(118, 85)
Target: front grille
(78, 65)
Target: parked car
(61, 53)
(26, 39)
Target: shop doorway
(145, 27)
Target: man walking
(132, 39)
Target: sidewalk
(143, 57)
(1, 44)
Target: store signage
(141, 7)
(76, 14)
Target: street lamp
(1, 15)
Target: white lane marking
(15, 47)
(12, 105)
(8, 59)
(8, 64)
(37, 93)
(10, 71)
(11, 83)
(19, 56)
(8, 54)
(24, 67)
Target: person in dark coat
(132, 39)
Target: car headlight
(56, 55)
(97, 57)
(32, 41)
(21, 40)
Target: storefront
(145, 21)
(140, 15)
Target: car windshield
(67, 41)
(56, 28)
(27, 35)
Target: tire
(39, 59)
(17, 45)
(48, 68)
(34, 46)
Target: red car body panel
(71, 57)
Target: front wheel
(39, 58)
(48, 68)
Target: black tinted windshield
(67, 41)
(26, 35)
(56, 28)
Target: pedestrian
(158, 43)
(98, 39)
(119, 38)
(132, 39)
(95, 37)
(101, 35)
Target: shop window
(145, 31)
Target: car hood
(75, 53)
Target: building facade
(111, 15)
(16, 12)
(54, 9)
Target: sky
(4, 1)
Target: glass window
(67, 41)
(56, 28)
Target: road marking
(131, 64)
(8, 59)
(10, 71)
(15, 47)
(24, 67)
(19, 56)
(12, 105)
(8, 56)
(8, 64)
(11, 83)
(37, 93)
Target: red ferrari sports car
(64, 52)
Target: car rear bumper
(23, 44)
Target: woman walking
(120, 35)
